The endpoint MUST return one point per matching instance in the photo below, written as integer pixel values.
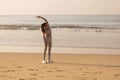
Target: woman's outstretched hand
(38, 16)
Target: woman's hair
(43, 27)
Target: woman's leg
(45, 49)
(49, 48)
(49, 51)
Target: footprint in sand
(9, 71)
(59, 70)
(19, 67)
(29, 79)
(32, 79)
(33, 74)
(84, 78)
(7, 76)
(32, 69)
(59, 76)
(21, 79)
(117, 75)
(98, 72)
(49, 71)
(80, 68)
(41, 76)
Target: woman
(47, 36)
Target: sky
(60, 7)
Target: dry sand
(14, 66)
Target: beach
(57, 50)
(83, 48)
(14, 66)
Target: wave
(37, 27)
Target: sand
(24, 66)
(57, 50)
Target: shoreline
(55, 50)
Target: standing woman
(47, 36)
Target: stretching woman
(47, 36)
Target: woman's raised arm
(43, 19)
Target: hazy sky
(59, 7)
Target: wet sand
(23, 66)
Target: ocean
(105, 21)
(68, 31)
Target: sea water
(99, 31)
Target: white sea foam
(62, 38)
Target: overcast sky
(60, 7)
